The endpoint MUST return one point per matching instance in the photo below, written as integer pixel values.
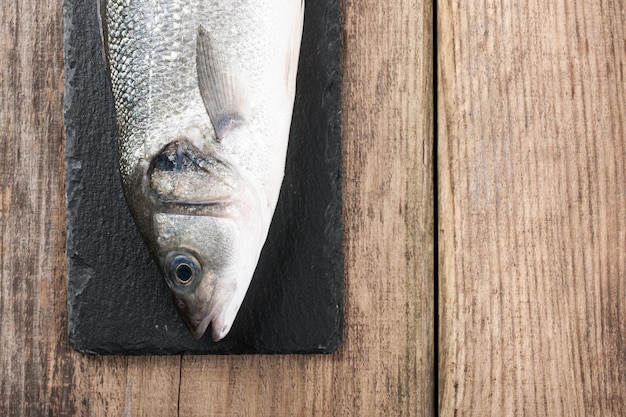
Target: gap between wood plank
(435, 220)
(180, 383)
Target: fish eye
(183, 269)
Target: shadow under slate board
(118, 302)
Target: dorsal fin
(221, 89)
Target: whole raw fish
(203, 93)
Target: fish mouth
(186, 180)
(220, 320)
(218, 332)
(197, 327)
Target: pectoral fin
(220, 86)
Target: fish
(203, 93)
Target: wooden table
(485, 227)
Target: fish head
(208, 224)
(199, 259)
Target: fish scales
(152, 64)
(177, 133)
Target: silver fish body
(203, 93)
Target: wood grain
(532, 227)
(386, 364)
(33, 377)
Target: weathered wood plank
(385, 366)
(34, 380)
(532, 224)
(39, 373)
(386, 363)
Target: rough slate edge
(118, 302)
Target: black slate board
(118, 303)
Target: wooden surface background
(532, 208)
(530, 264)
(386, 364)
